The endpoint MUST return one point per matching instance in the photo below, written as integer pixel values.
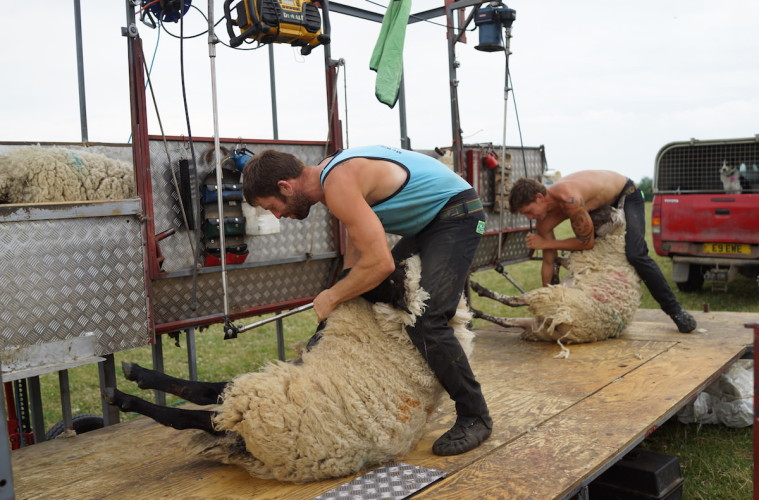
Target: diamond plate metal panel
(263, 279)
(64, 277)
(513, 249)
(248, 287)
(392, 481)
(313, 236)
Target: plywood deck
(558, 423)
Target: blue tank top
(429, 185)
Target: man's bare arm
(368, 243)
(582, 225)
(546, 269)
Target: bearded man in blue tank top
(377, 189)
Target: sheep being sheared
(360, 396)
(38, 174)
(595, 301)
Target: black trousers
(446, 248)
(636, 251)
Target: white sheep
(361, 396)
(38, 174)
(595, 301)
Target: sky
(601, 85)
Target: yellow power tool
(296, 22)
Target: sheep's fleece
(38, 174)
(361, 397)
(597, 300)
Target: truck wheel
(81, 424)
(695, 279)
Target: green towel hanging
(387, 58)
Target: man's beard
(299, 206)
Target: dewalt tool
(296, 22)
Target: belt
(463, 208)
(629, 190)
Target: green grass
(715, 460)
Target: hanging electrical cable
(193, 169)
(182, 208)
(519, 125)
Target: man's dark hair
(262, 173)
(523, 192)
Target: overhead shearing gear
(296, 22)
(167, 11)
(490, 20)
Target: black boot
(685, 322)
(465, 435)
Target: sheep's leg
(513, 301)
(526, 323)
(202, 393)
(176, 418)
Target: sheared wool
(361, 397)
(598, 298)
(38, 174)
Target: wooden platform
(558, 423)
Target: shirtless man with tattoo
(573, 197)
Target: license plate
(727, 248)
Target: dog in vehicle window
(730, 178)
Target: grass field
(715, 460)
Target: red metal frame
(141, 158)
(219, 318)
(15, 432)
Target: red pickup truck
(705, 212)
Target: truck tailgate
(718, 218)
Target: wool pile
(38, 174)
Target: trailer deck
(558, 423)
